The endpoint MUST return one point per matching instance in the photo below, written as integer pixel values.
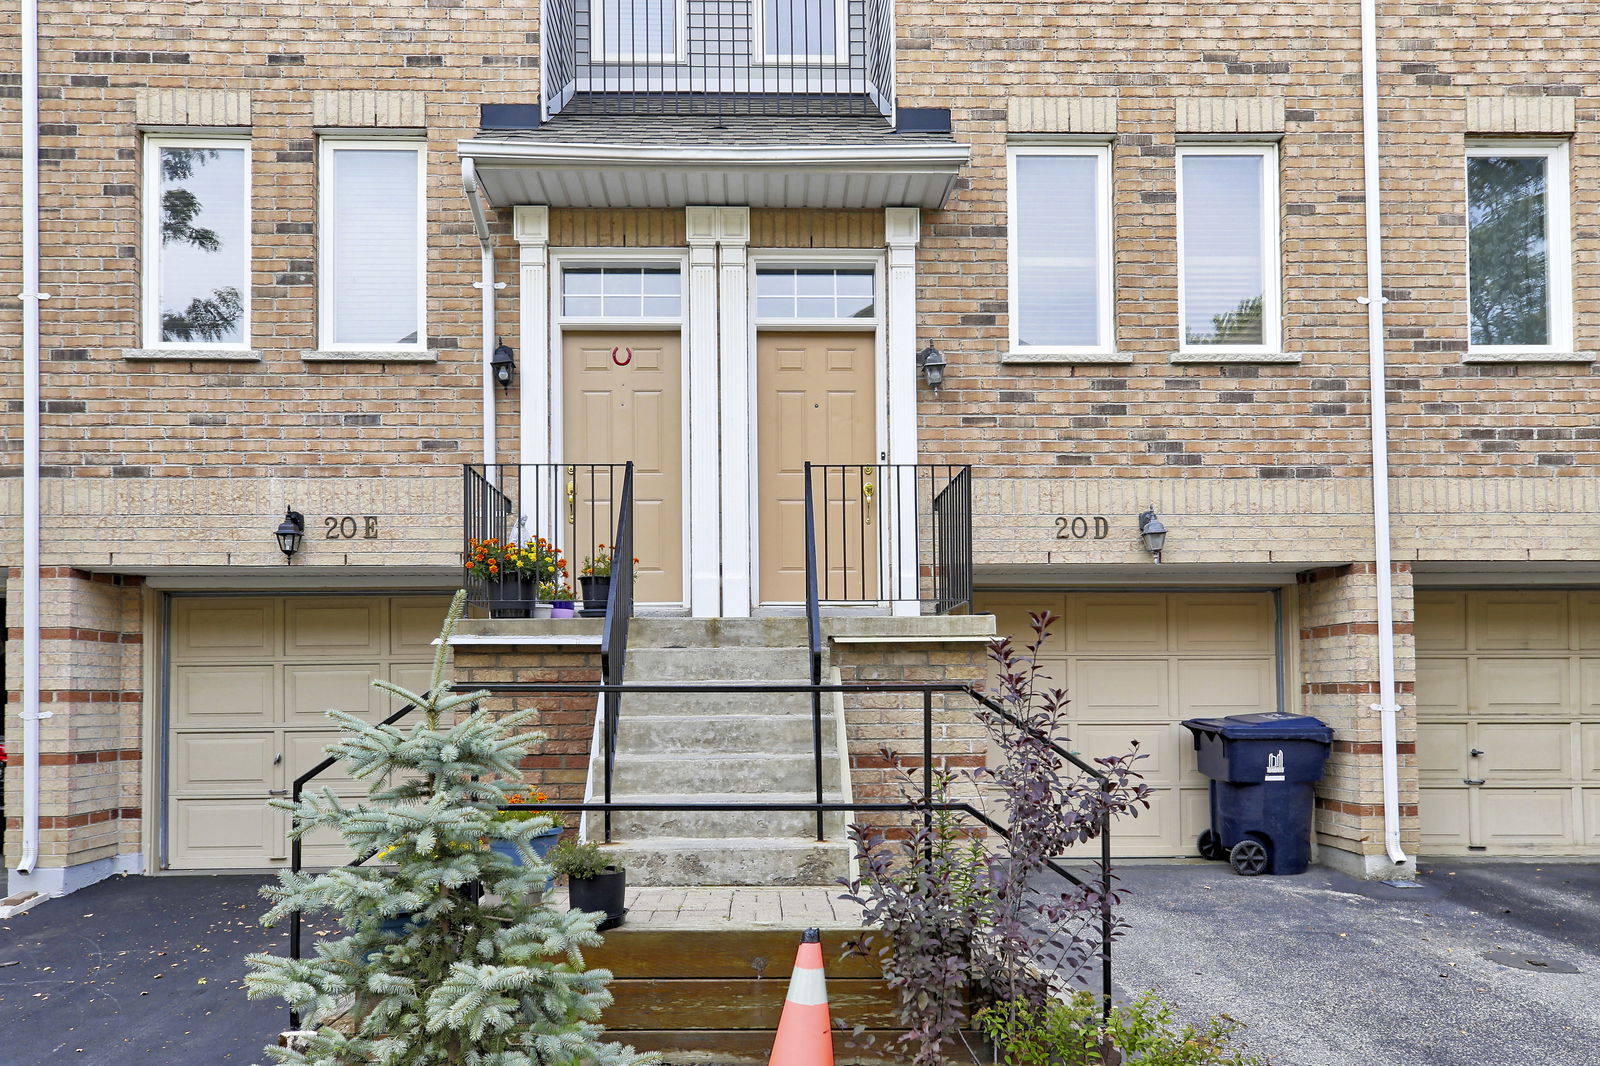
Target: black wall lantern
(1153, 533)
(932, 362)
(504, 365)
(289, 532)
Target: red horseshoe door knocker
(622, 362)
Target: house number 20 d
(1082, 527)
(346, 527)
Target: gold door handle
(572, 495)
(868, 490)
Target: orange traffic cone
(805, 1033)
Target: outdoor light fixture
(289, 532)
(1153, 533)
(504, 364)
(932, 362)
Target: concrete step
(718, 664)
(732, 861)
(713, 704)
(717, 633)
(720, 733)
(638, 827)
(746, 772)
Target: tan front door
(1508, 721)
(816, 402)
(1134, 665)
(624, 401)
(251, 680)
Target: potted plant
(561, 601)
(541, 842)
(595, 577)
(540, 566)
(544, 597)
(493, 562)
(593, 883)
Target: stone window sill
(192, 355)
(1233, 358)
(409, 356)
(1528, 357)
(1026, 358)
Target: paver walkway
(709, 908)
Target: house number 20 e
(1082, 527)
(346, 527)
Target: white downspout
(1386, 706)
(486, 287)
(30, 296)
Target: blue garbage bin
(1262, 768)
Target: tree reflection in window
(202, 236)
(1510, 280)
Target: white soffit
(600, 175)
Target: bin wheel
(1249, 857)
(1211, 846)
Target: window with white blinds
(1228, 248)
(796, 30)
(372, 239)
(197, 243)
(635, 31)
(1060, 248)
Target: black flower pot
(596, 591)
(604, 894)
(507, 596)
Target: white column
(703, 478)
(738, 440)
(902, 227)
(535, 399)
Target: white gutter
(1387, 707)
(486, 287)
(30, 296)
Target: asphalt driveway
(1329, 971)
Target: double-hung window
(1518, 247)
(1060, 249)
(1228, 279)
(197, 244)
(638, 31)
(372, 246)
(801, 31)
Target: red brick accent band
(1372, 747)
(1349, 629)
(1407, 810)
(87, 636)
(82, 758)
(79, 695)
(124, 580)
(1348, 688)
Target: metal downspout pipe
(1387, 707)
(486, 285)
(30, 297)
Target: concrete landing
(733, 907)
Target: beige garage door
(250, 680)
(1508, 721)
(1135, 664)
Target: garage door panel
(415, 678)
(1519, 620)
(215, 696)
(1526, 817)
(1441, 620)
(305, 750)
(1162, 763)
(326, 628)
(223, 628)
(1128, 690)
(224, 762)
(1589, 756)
(1444, 814)
(1194, 811)
(1011, 611)
(1442, 749)
(414, 623)
(1589, 687)
(1119, 623)
(1211, 687)
(1442, 686)
(1591, 817)
(1222, 623)
(1155, 832)
(310, 691)
(221, 834)
(1525, 749)
(1504, 686)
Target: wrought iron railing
(573, 507)
(718, 57)
(888, 533)
(614, 638)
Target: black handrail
(614, 637)
(814, 639)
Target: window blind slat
(375, 258)
(1057, 251)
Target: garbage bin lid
(1271, 725)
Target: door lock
(1475, 752)
(277, 792)
(1472, 780)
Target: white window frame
(1271, 252)
(150, 275)
(841, 37)
(1558, 237)
(598, 50)
(1105, 342)
(645, 261)
(327, 280)
(871, 264)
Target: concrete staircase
(723, 747)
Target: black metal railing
(888, 533)
(614, 638)
(573, 507)
(731, 57)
